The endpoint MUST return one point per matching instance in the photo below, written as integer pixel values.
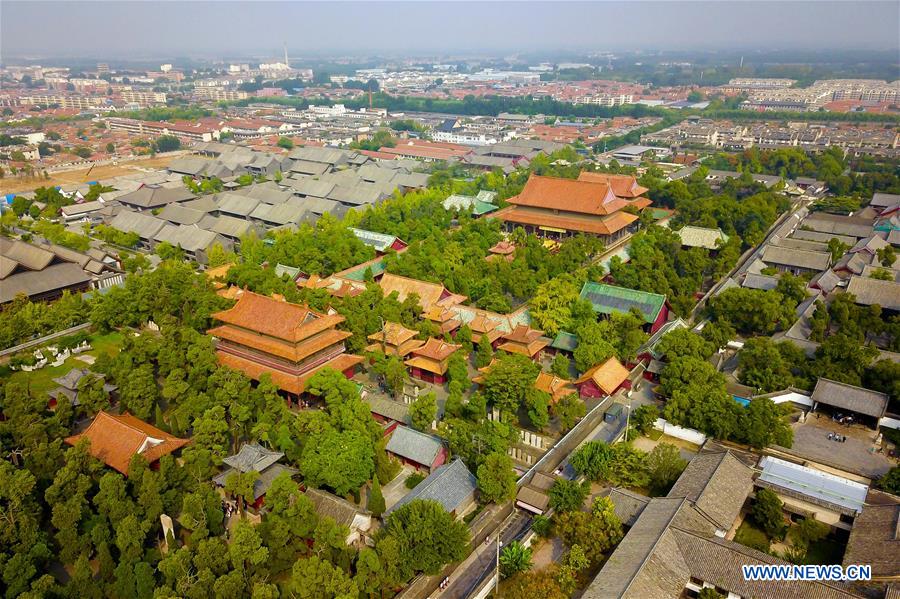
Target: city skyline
(231, 29)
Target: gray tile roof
(764, 282)
(145, 225)
(414, 446)
(387, 408)
(718, 484)
(180, 214)
(869, 292)
(701, 237)
(151, 196)
(875, 536)
(331, 506)
(848, 397)
(236, 204)
(253, 456)
(885, 200)
(188, 237)
(307, 186)
(823, 237)
(451, 485)
(796, 258)
(841, 225)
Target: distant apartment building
(605, 99)
(187, 130)
(219, 94)
(750, 84)
(63, 101)
(142, 97)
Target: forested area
(63, 508)
(844, 176)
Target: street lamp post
(497, 584)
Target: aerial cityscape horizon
(449, 300)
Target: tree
(496, 478)
(514, 558)
(593, 460)
(568, 410)
(763, 423)
(423, 411)
(110, 148)
(342, 461)
(376, 499)
(540, 584)
(428, 537)
(568, 495)
(560, 366)
(709, 593)
(887, 256)
(890, 482)
(167, 143)
(550, 308)
(506, 385)
(807, 531)
(285, 142)
(644, 417)
(314, 578)
(538, 408)
(594, 532)
(241, 485)
(768, 513)
(665, 465)
(485, 352)
(682, 343)
(762, 366)
(592, 347)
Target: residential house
(525, 341)
(148, 197)
(68, 386)
(394, 340)
(38, 273)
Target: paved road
(482, 563)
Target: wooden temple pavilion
(429, 362)
(290, 342)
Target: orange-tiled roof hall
(262, 335)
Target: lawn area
(750, 536)
(41, 381)
(826, 551)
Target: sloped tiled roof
(607, 299)
(569, 195)
(115, 439)
(608, 375)
(848, 397)
(451, 485)
(717, 483)
(283, 320)
(414, 446)
(868, 292)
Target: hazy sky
(108, 30)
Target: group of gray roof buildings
(314, 181)
(800, 246)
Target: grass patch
(41, 381)
(750, 536)
(654, 434)
(826, 551)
